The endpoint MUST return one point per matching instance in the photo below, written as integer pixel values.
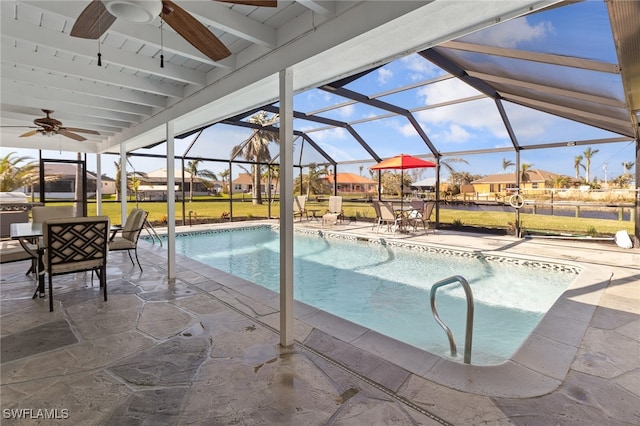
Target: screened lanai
(536, 90)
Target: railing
(152, 232)
(469, 329)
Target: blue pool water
(386, 288)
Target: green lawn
(364, 211)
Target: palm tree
(577, 163)
(588, 153)
(627, 165)
(272, 173)
(194, 172)
(223, 176)
(559, 181)
(506, 164)
(452, 172)
(313, 181)
(119, 179)
(256, 149)
(524, 172)
(14, 174)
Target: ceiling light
(140, 11)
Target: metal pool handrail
(469, 330)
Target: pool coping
(538, 367)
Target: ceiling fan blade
(193, 31)
(93, 21)
(87, 131)
(29, 133)
(261, 3)
(68, 134)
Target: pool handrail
(469, 329)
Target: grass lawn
(208, 209)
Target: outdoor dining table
(29, 233)
(402, 213)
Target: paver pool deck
(204, 349)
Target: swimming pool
(385, 287)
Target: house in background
(108, 185)
(349, 182)
(244, 183)
(153, 186)
(61, 182)
(506, 182)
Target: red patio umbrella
(401, 162)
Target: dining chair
(128, 240)
(423, 217)
(12, 251)
(75, 244)
(41, 213)
(389, 217)
(378, 219)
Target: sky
(471, 125)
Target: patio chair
(128, 240)
(376, 208)
(76, 244)
(299, 207)
(388, 216)
(39, 214)
(334, 213)
(12, 251)
(423, 217)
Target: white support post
(123, 183)
(286, 208)
(171, 203)
(98, 184)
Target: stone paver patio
(204, 349)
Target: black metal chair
(76, 244)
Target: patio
(204, 349)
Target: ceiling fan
(50, 126)
(99, 15)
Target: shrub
(457, 223)
(592, 231)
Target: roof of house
(349, 178)
(534, 175)
(65, 170)
(247, 179)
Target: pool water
(386, 288)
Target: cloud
(384, 75)
(511, 34)
(445, 91)
(337, 133)
(420, 68)
(345, 111)
(455, 133)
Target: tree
(14, 174)
(256, 149)
(524, 172)
(272, 174)
(506, 164)
(313, 181)
(223, 176)
(118, 179)
(588, 154)
(559, 181)
(628, 165)
(577, 164)
(194, 172)
(447, 165)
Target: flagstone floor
(204, 349)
